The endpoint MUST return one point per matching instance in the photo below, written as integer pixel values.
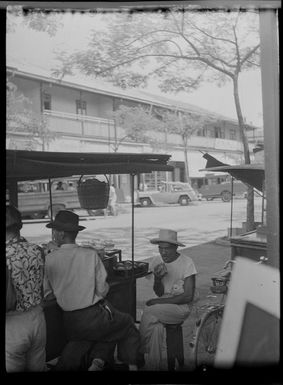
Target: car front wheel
(183, 200)
(226, 196)
(145, 202)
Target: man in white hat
(174, 286)
(76, 276)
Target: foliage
(38, 20)
(136, 122)
(185, 125)
(20, 118)
(215, 44)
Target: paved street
(197, 223)
(198, 226)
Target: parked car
(169, 193)
(223, 190)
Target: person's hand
(152, 301)
(160, 270)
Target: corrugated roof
(101, 87)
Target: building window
(200, 132)
(46, 101)
(232, 134)
(219, 132)
(80, 107)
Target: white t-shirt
(178, 270)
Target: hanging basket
(93, 194)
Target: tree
(136, 123)
(180, 48)
(184, 125)
(21, 119)
(41, 21)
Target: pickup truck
(34, 198)
(223, 190)
(36, 205)
(169, 193)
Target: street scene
(142, 188)
(197, 223)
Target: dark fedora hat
(65, 221)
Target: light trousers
(152, 330)
(25, 341)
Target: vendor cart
(32, 165)
(253, 244)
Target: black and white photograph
(142, 189)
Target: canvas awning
(251, 174)
(29, 165)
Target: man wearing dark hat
(174, 286)
(25, 321)
(77, 278)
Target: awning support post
(50, 199)
(133, 217)
(231, 215)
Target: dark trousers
(95, 323)
(78, 355)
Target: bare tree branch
(212, 37)
(150, 33)
(159, 42)
(249, 54)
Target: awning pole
(231, 215)
(133, 217)
(50, 199)
(262, 205)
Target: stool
(174, 342)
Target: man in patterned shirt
(25, 321)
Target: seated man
(174, 285)
(25, 332)
(76, 276)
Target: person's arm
(48, 294)
(184, 298)
(47, 289)
(158, 286)
(101, 286)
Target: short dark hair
(13, 218)
(71, 234)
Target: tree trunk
(187, 173)
(250, 191)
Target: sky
(38, 48)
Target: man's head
(65, 227)
(168, 251)
(13, 220)
(167, 244)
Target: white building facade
(78, 112)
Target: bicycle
(204, 342)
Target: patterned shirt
(26, 263)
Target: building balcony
(91, 128)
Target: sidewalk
(209, 258)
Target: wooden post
(270, 101)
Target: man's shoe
(96, 365)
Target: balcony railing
(101, 128)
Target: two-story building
(78, 110)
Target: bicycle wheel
(207, 338)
